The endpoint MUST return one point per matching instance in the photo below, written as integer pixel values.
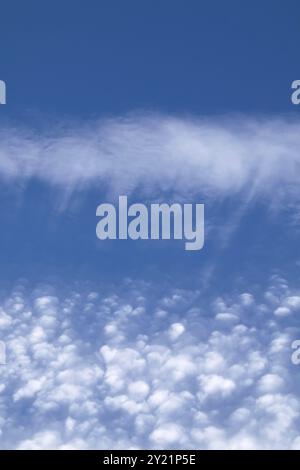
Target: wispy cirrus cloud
(159, 153)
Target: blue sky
(113, 57)
(162, 101)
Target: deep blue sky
(99, 57)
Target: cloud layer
(138, 366)
(160, 153)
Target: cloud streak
(217, 157)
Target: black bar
(136, 458)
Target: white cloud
(270, 383)
(138, 390)
(215, 156)
(215, 385)
(282, 312)
(293, 302)
(78, 383)
(176, 330)
(167, 434)
(227, 317)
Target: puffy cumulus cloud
(176, 330)
(135, 366)
(218, 156)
